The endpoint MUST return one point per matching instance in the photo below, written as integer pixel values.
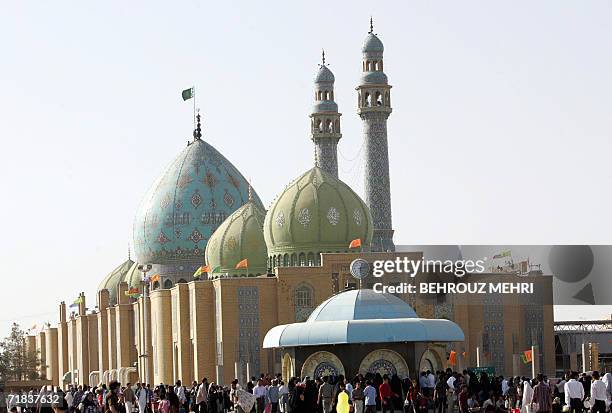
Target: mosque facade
(296, 257)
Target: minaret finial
(371, 25)
(322, 57)
(129, 252)
(197, 133)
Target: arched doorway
(287, 368)
(384, 361)
(321, 364)
(430, 361)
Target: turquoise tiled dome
(372, 44)
(324, 75)
(186, 204)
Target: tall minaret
(325, 121)
(374, 109)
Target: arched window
(167, 284)
(368, 99)
(329, 128)
(387, 99)
(326, 95)
(293, 260)
(274, 262)
(302, 259)
(311, 259)
(286, 260)
(303, 300)
(379, 101)
(337, 126)
(319, 125)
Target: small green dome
(239, 237)
(316, 213)
(133, 277)
(114, 278)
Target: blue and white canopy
(362, 316)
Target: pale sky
(500, 132)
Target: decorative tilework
(357, 217)
(493, 334)
(280, 219)
(186, 204)
(304, 217)
(534, 329)
(333, 216)
(377, 186)
(326, 155)
(248, 319)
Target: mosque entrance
(429, 361)
(384, 361)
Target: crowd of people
(441, 392)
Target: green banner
(477, 370)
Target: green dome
(316, 213)
(111, 281)
(133, 277)
(239, 237)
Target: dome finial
(197, 133)
(322, 57)
(371, 25)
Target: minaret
(325, 121)
(374, 109)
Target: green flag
(187, 93)
(502, 255)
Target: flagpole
(533, 359)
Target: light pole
(145, 315)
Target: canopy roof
(362, 316)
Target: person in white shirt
(349, 388)
(561, 387)
(261, 394)
(283, 394)
(180, 392)
(69, 396)
(599, 394)
(452, 394)
(142, 397)
(431, 380)
(574, 394)
(527, 396)
(202, 395)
